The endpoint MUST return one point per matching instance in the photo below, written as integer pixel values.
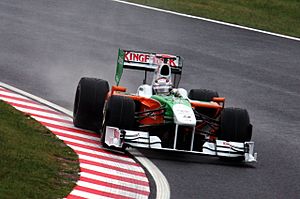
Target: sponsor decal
(116, 134)
(227, 144)
(137, 57)
(145, 58)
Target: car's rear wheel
(89, 102)
(119, 113)
(235, 125)
(202, 95)
(206, 96)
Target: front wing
(115, 137)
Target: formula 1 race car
(160, 115)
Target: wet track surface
(46, 46)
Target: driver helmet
(162, 83)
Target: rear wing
(145, 61)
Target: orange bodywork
(218, 105)
(148, 104)
(145, 104)
(206, 105)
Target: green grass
(279, 16)
(33, 162)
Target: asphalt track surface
(46, 46)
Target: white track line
(111, 163)
(114, 172)
(127, 159)
(57, 123)
(72, 133)
(25, 103)
(79, 141)
(84, 194)
(11, 94)
(208, 20)
(110, 190)
(42, 113)
(114, 181)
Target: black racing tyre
(202, 95)
(235, 125)
(89, 102)
(120, 112)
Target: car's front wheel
(235, 125)
(89, 102)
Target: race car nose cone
(184, 115)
